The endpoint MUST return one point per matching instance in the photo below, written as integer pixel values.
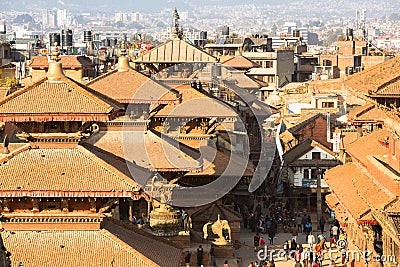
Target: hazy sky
(123, 5)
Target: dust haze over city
(199, 133)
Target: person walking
(271, 236)
(304, 222)
(262, 242)
(200, 255)
(256, 241)
(307, 229)
(335, 232)
(226, 264)
(212, 254)
(187, 259)
(295, 233)
(311, 240)
(298, 223)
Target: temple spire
(55, 71)
(177, 31)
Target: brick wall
(315, 130)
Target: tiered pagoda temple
(59, 194)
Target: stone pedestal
(182, 239)
(164, 221)
(224, 251)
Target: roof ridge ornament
(123, 60)
(123, 49)
(55, 71)
(177, 31)
(55, 55)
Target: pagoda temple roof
(131, 86)
(356, 191)
(215, 163)
(196, 104)
(175, 51)
(376, 79)
(79, 171)
(366, 113)
(68, 62)
(147, 150)
(240, 62)
(113, 245)
(60, 100)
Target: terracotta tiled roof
(368, 145)
(368, 112)
(68, 62)
(175, 51)
(215, 163)
(341, 181)
(132, 87)
(375, 195)
(391, 89)
(146, 150)
(357, 191)
(192, 141)
(341, 215)
(240, 62)
(370, 79)
(394, 208)
(71, 172)
(241, 80)
(331, 200)
(157, 249)
(196, 104)
(64, 100)
(112, 246)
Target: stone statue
(221, 229)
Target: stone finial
(177, 31)
(55, 55)
(55, 71)
(123, 49)
(123, 60)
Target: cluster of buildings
(90, 141)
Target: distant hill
(158, 5)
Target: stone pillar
(6, 205)
(64, 205)
(92, 202)
(130, 210)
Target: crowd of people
(310, 255)
(307, 252)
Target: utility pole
(319, 198)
